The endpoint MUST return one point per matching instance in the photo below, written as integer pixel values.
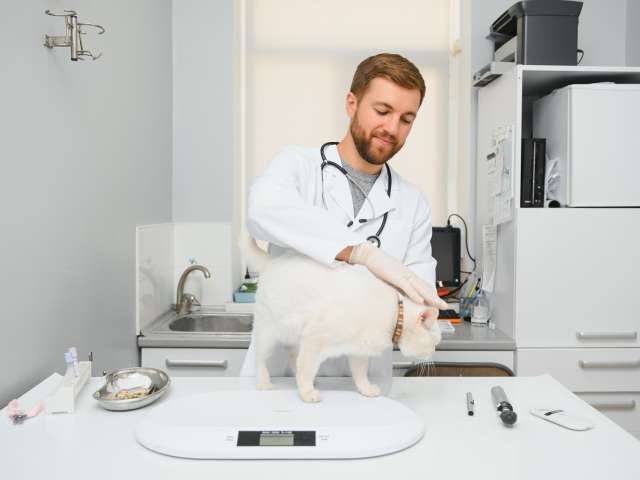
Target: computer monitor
(445, 248)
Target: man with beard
(342, 202)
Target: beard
(374, 154)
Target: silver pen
(470, 404)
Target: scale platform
(276, 424)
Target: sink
(213, 322)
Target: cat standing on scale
(354, 314)
(351, 233)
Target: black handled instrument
(507, 415)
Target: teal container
(244, 297)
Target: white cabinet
(566, 278)
(195, 362)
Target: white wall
(203, 110)
(85, 156)
(602, 32)
(633, 32)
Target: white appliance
(592, 132)
(248, 424)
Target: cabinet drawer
(503, 357)
(195, 362)
(622, 408)
(584, 369)
(559, 331)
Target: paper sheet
(489, 249)
(500, 179)
(446, 326)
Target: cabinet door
(576, 277)
(195, 362)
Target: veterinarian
(338, 202)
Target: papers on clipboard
(500, 163)
(489, 252)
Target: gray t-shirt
(364, 180)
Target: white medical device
(592, 138)
(247, 424)
(562, 418)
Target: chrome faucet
(184, 301)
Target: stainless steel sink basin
(213, 322)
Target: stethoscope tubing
(373, 238)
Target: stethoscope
(375, 239)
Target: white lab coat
(286, 209)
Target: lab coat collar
(377, 203)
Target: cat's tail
(257, 259)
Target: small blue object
(244, 297)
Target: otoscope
(507, 415)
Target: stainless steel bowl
(151, 383)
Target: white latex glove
(392, 271)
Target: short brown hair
(390, 66)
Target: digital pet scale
(249, 424)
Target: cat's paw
(264, 385)
(370, 390)
(310, 396)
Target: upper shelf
(542, 79)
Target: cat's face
(421, 332)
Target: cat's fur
(320, 312)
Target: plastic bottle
(481, 308)
(70, 373)
(74, 355)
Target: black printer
(537, 32)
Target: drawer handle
(624, 405)
(403, 364)
(591, 364)
(607, 335)
(197, 363)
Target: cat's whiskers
(426, 368)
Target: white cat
(319, 312)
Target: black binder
(532, 172)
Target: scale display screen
(276, 438)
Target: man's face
(382, 119)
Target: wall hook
(73, 35)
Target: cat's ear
(429, 316)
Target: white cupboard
(566, 278)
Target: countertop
(98, 444)
(466, 337)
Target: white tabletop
(95, 443)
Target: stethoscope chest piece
(374, 239)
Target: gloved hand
(392, 271)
